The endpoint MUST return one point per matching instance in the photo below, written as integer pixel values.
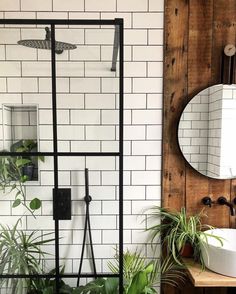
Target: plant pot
(187, 250)
(28, 171)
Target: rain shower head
(46, 44)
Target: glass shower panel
(87, 90)
(25, 88)
(26, 181)
(102, 186)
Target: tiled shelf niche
(20, 123)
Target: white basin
(221, 258)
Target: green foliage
(141, 276)
(12, 180)
(20, 254)
(176, 229)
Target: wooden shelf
(206, 278)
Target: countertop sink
(221, 258)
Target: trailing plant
(20, 253)
(12, 180)
(176, 230)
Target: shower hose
(87, 228)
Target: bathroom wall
(195, 34)
(28, 82)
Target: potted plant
(182, 235)
(20, 253)
(31, 161)
(12, 180)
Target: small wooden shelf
(206, 278)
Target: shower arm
(115, 48)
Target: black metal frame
(118, 23)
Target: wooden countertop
(206, 278)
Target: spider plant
(176, 230)
(20, 253)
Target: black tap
(207, 201)
(223, 201)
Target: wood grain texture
(196, 32)
(207, 278)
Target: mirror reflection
(206, 132)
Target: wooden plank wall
(196, 31)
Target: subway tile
(2, 52)
(134, 163)
(146, 178)
(85, 85)
(110, 178)
(10, 69)
(148, 53)
(98, 69)
(133, 101)
(155, 69)
(155, 5)
(110, 207)
(99, 101)
(135, 69)
(85, 117)
(134, 132)
(85, 146)
(132, 5)
(16, 52)
(146, 147)
(153, 192)
(154, 101)
(97, 163)
(153, 162)
(6, 5)
(36, 69)
(99, 36)
(3, 84)
(43, 100)
(69, 132)
(147, 116)
(110, 85)
(43, 5)
(148, 20)
(132, 222)
(70, 69)
(22, 85)
(154, 132)
(85, 53)
(134, 192)
(72, 5)
(9, 35)
(101, 5)
(112, 236)
(70, 101)
(155, 37)
(110, 117)
(100, 132)
(135, 37)
(110, 146)
(147, 85)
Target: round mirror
(206, 132)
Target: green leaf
(22, 162)
(111, 285)
(41, 158)
(16, 203)
(35, 204)
(139, 282)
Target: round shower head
(46, 44)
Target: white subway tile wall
(87, 104)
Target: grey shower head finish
(46, 44)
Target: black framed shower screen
(118, 22)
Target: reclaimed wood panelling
(196, 32)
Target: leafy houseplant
(12, 180)
(141, 276)
(20, 254)
(28, 146)
(178, 231)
